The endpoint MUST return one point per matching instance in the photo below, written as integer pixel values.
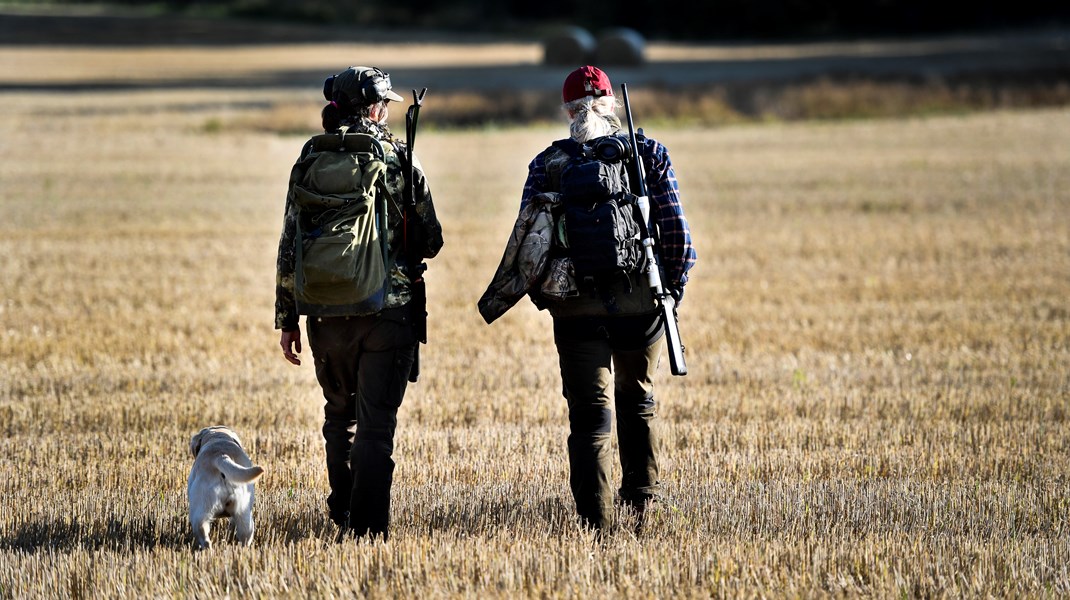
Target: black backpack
(601, 220)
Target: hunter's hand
(291, 345)
(677, 293)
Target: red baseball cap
(586, 81)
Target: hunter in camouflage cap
(360, 86)
(358, 218)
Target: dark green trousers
(597, 355)
(362, 364)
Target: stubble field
(878, 335)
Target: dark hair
(332, 116)
(338, 112)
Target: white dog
(221, 484)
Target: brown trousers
(362, 364)
(596, 355)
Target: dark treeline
(801, 18)
(683, 19)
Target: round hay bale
(620, 46)
(568, 46)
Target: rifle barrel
(677, 364)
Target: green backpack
(342, 263)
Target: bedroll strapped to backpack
(602, 233)
(342, 263)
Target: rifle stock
(677, 363)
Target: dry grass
(877, 332)
(701, 106)
(58, 63)
(665, 101)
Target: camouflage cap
(364, 85)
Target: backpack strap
(569, 146)
(346, 141)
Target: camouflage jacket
(527, 261)
(426, 243)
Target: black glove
(677, 293)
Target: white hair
(591, 117)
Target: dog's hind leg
(201, 532)
(202, 527)
(243, 527)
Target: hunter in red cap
(586, 81)
(606, 321)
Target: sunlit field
(878, 336)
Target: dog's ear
(233, 436)
(195, 443)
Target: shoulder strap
(344, 141)
(569, 146)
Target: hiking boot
(641, 509)
(345, 532)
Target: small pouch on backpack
(590, 181)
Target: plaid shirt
(676, 251)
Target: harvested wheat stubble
(877, 339)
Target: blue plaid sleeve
(676, 250)
(537, 181)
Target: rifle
(653, 265)
(418, 287)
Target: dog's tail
(235, 472)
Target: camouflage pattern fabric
(426, 244)
(526, 259)
(560, 283)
